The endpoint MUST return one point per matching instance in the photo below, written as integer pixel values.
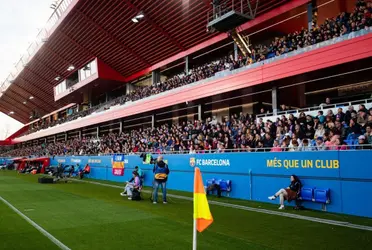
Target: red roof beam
(113, 38)
(36, 74)
(28, 101)
(156, 26)
(14, 108)
(38, 90)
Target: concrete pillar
(236, 51)
(274, 100)
(309, 15)
(187, 65)
(129, 88)
(155, 76)
(311, 9)
(97, 132)
(153, 121)
(107, 96)
(66, 136)
(55, 139)
(120, 127)
(199, 112)
(301, 95)
(80, 135)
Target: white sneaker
(272, 197)
(129, 198)
(154, 202)
(164, 202)
(281, 207)
(123, 194)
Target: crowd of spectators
(238, 133)
(341, 25)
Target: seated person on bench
(85, 171)
(290, 193)
(134, 183)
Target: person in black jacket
(290, 193)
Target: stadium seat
(225, 185)
(322, 195)
(209, 182)
(307, 194)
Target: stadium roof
(104, 29)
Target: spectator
(354, 129)
(362, 143)
(290, 193)
(305, 146)
(294, 146)
(340, 116)
(321, 117)
(320, 131)
(319, 146)
(368, 134)
(276, 147)
(268, 141)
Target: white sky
(19, 24)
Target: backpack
(136, 195)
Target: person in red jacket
(85, 171)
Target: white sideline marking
(258, 210)
(39, 228)
(28, 210)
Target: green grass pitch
(89, 216)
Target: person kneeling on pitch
(136, 184)
(161, 172)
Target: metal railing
(225, 6)
(41, 37)
(216, 151)
(319, 107)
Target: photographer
(161, 172)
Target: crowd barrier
(255, 176)
(5, 161)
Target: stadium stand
(348, 128)
(343, 25)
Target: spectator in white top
(305, 145)
(320, 131)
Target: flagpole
(194, 238)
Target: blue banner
(255, 176)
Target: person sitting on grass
(124, 193)
(140, 174)
(135, 184)
(85, 171)
(290, 193)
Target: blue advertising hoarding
(255, 176)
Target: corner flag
(202, 215)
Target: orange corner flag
(202, 214)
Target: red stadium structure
(93, 51)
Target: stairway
(241, 41)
